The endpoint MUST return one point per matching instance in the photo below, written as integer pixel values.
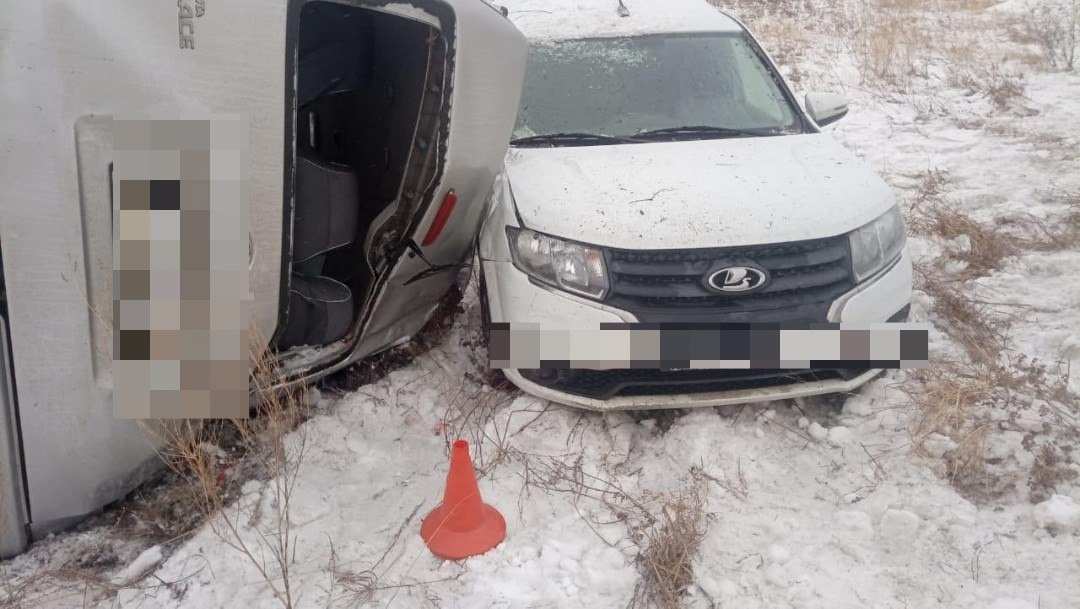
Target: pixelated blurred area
(180, 268)
(709, 346)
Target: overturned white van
(376, 130)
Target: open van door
(438, 234)
(401, 116)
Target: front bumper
(512, 297)
(797, 389)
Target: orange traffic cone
(462, 525)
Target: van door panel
(488, 69)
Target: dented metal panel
(489, 66)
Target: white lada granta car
(661, 170)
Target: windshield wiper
(559, 139)
(697, 131)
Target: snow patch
(936, 445)
(839, 436)
(898, 527)
(1059, 513)
(143, 563)
(854, 520)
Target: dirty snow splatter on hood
(652, 196)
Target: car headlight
(877, 244)
(571, 266)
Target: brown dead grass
(663, 531)
(948, 398)
(1004, 87)
(197, 452)
(903, 47)
(990, 387)
(667, 558)
(1054, 27)
(989, 244)
(1057, 234)
(1049, 472)
(968, 400)
(979, 327)
(892, 48)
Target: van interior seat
(328, 208)
(320, 310)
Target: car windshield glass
(621, 87)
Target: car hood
(706, 193)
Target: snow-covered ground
(805, 505)
(837, 517)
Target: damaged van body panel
(464, 116)
(364, 116)
(366, 125)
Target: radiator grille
(805, 277)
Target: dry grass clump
(358, 587)
(908, 51)
(1059, 233)
(472, 413)
(978, 326)
(1053, 26)
(983, 246)
(900, 47)
(892, 47)
(930, 215)
(948, 399)
(207, 462)
(1050, 470)
(875, 33)
(973, 5)
(668, 551)
(600, 487)
(661, 532)
(245, 527)
(990, 389)
(964, 402)
(214, 458)
(986, 244)
(910, 46)
(751, 8)
(1002, 86)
